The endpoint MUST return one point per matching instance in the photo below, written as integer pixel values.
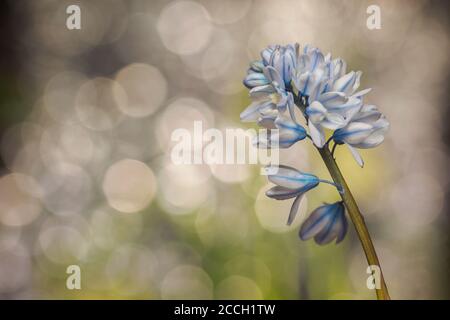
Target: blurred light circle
(238, 288)
(251, 267)
(272, 214)
(184, 27)
(230, 173)
(229, 81)
(129, 185)
(187, 282)
(184, 187)
(111, 228)
(173, 254)
(67, 188)
(10, 237)
(18, 206)
(97, 106)
(215, 59)
(145, 88)
(233, 173)
(15, 269)
(103, 21)
(19, 146)
(278, 30)
(60, 93)
(181, 114)
(66, 143)
(228, 11)
(62, 244)
(132, 267)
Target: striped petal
(317, 134)
(291, 178)
(325, 224)
(282, 193)
(354, 133)
(294, 208)
(255, 79)
(356, 155)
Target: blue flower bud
(325, 224)
(291, 178)
(255, 79)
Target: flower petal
(317, 135)
(337, 227)
(255, 79)
(316, 112)
(294, 208)
(317, 220)
(325, 223)
(281, 193)
(332, 99)
(353, 133)
(356, 155)
(345, 83)
(252, 112)
(291, 178)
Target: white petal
(273, 76)
(344, 83)
(294, 208)
(334, 121)
(332, 99)
(316, 112)
(361, 93)
(356, 82)
(356, 155)
(356, 132)
(317, 135)
(262, 91)
(251, 113)
(371, 142)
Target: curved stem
(357, 219)
(338, 186)
(334, 149)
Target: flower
(290, 183)
(312, 72)
(325, 224)
(267, 98)
(330, 99)
(366, 130)
(255, 79)
(330, 91)
(283, 60)
(288, 132)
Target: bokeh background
(86, 177)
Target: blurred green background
(86, 178)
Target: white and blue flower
(325, 224)
(330, 99)
(287, 132)
(290, 183)
(366, 130)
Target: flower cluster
(286, 78)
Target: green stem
(356, 217)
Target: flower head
(288, 131)
(328, 96)
(291, 183)
(366, 130)
(325, 224)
